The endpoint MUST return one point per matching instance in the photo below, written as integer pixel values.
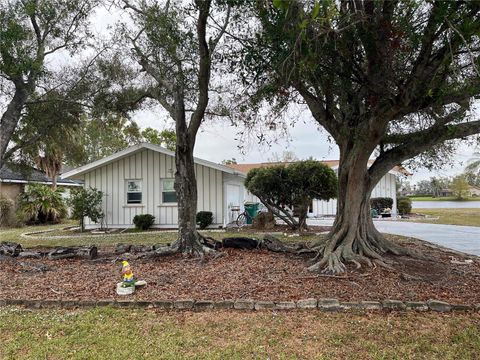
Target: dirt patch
(256, 274)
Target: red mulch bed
(257, 274)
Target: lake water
(445, 204)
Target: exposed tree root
(364, 249)
(199, 248)
(359, 247)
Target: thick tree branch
(318, 110)
(214, 42)
(203, 81)
(418, 143)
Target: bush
(42, 204)
(204, 218)
(144, 221)
(381, 203)
(7, 207)
(86, 203)
(285, 188)
(404, 205)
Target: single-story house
(386, 187)
(139, 180)
(472, 191)
(13, 181)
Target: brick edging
(327, 305)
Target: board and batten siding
(385, 188)
(151, 167)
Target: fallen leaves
(256, 274)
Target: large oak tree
(32, 32)
(168, 49)
(390, 79)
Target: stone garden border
(323, 304)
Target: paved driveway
(461, 238)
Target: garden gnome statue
(128, 279)
(127, 286)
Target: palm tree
(42, 203)
(473, 165)
(51, 163)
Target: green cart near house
(246, 217)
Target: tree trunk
(354, 237)
(9, 121)
(186, 188)
(302, 216)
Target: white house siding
(235, 183)
(385, 188)
(150, 167)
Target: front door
(233, 201)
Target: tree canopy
(390, 79)
(31, 32)
(288, 191)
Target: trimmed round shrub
(204, 219)
(143, 221)
(381, 203)
(404, 205)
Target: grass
(467, 216)
(107, 333)
(446, 198)
(48, 239)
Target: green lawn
(446, 198)
(107, 333)
(468, 217)
(48, 239)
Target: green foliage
(472, 178)
(460, 187)
(204, 219)
(41, 203)
(381, 203)
(143, 221)
(106, 135)
(86, 203)
(294, 186)
(165, 138)
(404, 205)
(31, 32)
(51, 128)
(229, 161)
(7, 209)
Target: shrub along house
(139, 180)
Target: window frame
(133, 192)
(162, 191)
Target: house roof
(9, 174)
(245, 168)
(76, 173)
